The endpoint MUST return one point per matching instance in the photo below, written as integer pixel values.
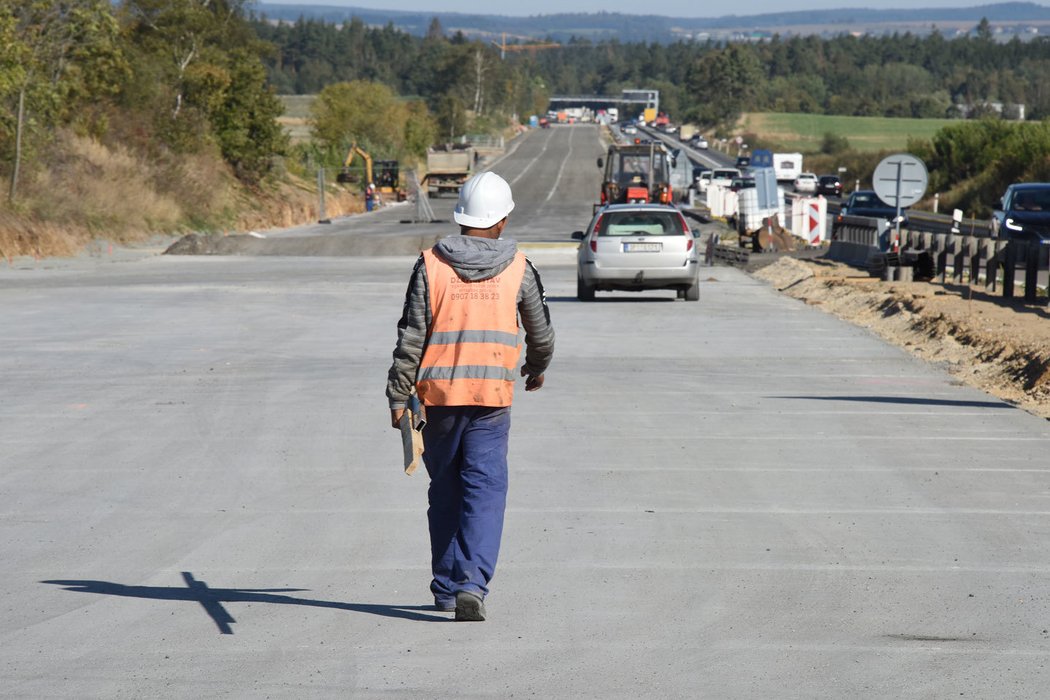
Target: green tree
(361, 112)
(451, 118)
(421, 129)
(725, 83)
(199, 73)
(68, 57)
(244, 116)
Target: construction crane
(504, 47)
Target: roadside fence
(964, 258)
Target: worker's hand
(532, 383)
(395, 417)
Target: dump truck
(448, 167)
(636, 173)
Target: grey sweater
(472, 258)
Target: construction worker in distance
(458, 347)
(370, 197)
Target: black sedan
(866, 203)
(829, 186)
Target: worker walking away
(458, 347)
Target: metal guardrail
(483, 141)
(970, 256)
(732, 255)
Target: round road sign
(900, 180)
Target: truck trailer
(787, 166)
(448, 167)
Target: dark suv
(1024, 212)
(829, 186)
(867, 203)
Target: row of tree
(182, 76)
(173, 76)
(464, 84)
(898, 75)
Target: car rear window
(635, 223)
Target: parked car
(806, 183)
(724, 176)
(742, 183)
(699, 170)
(635, 247)
(1024, 212)
(829, 186)
(704, 180)
(867, 203)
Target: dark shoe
(469, 607)
(447, 605)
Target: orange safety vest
(472, 349)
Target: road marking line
(561, 169)
(533, 161)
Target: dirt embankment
(999, 347)
(79, 190)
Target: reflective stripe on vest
(473, 348)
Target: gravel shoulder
(1000, 347)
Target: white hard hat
(484, 200)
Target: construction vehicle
(388, 179)
(384, 174)
(637, 173)
(448, 167)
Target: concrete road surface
(200, 496)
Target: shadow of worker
(213, 599)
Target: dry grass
(87, 190)
(20, 235)
(104, 190)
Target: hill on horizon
(1008, 18)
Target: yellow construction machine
(384, 174)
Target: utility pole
(18, 144)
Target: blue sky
(667, 8)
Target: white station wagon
(635, 247)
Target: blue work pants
(465, 453)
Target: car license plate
(641, 247)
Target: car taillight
(594, 233)
(687, 232)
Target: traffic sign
(900, 180)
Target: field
(805, 132)
(296, 114)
